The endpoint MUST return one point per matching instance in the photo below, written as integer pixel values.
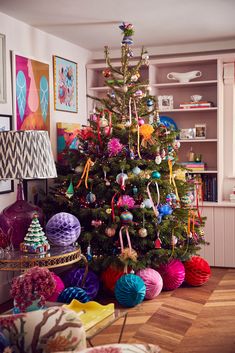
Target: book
(201, 104)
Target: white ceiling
(94, 23)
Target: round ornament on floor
(197, 271)
(153, 282)
(173, 274)
(58, 289)
(110, 276)
(71, 293)
(130, 290)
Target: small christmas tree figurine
(35, 241)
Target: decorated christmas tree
(35, 241)
(124, 183)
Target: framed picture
(65, 85)
(35, 191)
(200, 131)
(165, 103)
(186, 134)
(31, 93)
(67, 138)
(6, 125)
(3, 95)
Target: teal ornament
(130, 290)
(136, 170)
(126, 217)
(70, 190)
(147, 203)
(90, 197)
(135, 190)
(156, 175)
(149, 102)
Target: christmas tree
(124, 183)
(35, 240)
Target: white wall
(30, 42)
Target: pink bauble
(141, 122)
(173, 274)
(153, 282)
(58, 289)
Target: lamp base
(16, 218)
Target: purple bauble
(63, 229)
(153, 281)
(75, 278)
(173, 274)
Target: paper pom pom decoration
(71, 293)
(110, 276)
(114, 147)
(153, 282)
(130, 290)
(63, 229)
(126, 201)
(58, 289)
(173, 274)
(91, 283)
(197, 271)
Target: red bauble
(106, 73)
(110, 277)
(197, 271)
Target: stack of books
(198, 104)
(194, 166)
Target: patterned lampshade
(26, 155)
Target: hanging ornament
(135, 77)
(103, 122)
(110, 231)
(158, 159)
(149, 102)
(121, 178)
(107, 183)
(114, 147)
(147, 203)
(70, 190)
(135, 190)
(130, 53)
(143, 231)
(106, 73)
(112, 94)
(176, 144)
(132, 154)
(138, 93)
(155, 175)
(126, 201)
(96, 223)
(108, 131)
(154, 207)
(146, 131)
(141, 122)
(201, 232)
(165, 210)
(136, 170)
(163, 153)
(158, 243)
(169, 199)
(174, 240)
(125, 88)
(90, 197)
(145, 58)
(89, 253)
(126, 217)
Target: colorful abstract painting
(66, 139)
(65, 85)
(32, 94)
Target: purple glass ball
(63, 229)
(75, 278)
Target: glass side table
(57, 256)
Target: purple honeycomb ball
(63, 229)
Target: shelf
(103, 88)
(207, 171)
(187, 84)
(188, 110)
(198, 140)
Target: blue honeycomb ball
(130, 290)
(71, 293)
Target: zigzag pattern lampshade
(26, 155)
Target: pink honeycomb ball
(173, 274)
(153, 281)
(58, 289)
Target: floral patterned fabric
(42, 331)
(122, 348)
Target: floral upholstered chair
(121, 348)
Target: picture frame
(165, 103)
(67, 139)
(200, 131)
(31, 93)
(65, 78)
(6, 186)
(35, 190)
(186, 134)
(3, 94)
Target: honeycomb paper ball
(197, 271)
(70, 293)
(130, 290)
(153, 282)
(173, 274)
(58, 289)
(63, 229)
(110, 277)
(91, 285)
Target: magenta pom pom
(126, 201)
(153, 281)
(58, 289)
(114, 147)
(173, 274)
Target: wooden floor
(187, 320)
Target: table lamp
(23, 155)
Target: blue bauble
(126, 217)
(70, 293)
(156, 175)
(165, 210)
(130, 290)
(149, 102)
(90, 197)
(168, 122)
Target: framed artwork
(200, 131)
(31, 93)
(165, 103)
(66, 139)
(35, 191)
(6, 125)
(65, 85)
(3, 96)
(186, 134)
